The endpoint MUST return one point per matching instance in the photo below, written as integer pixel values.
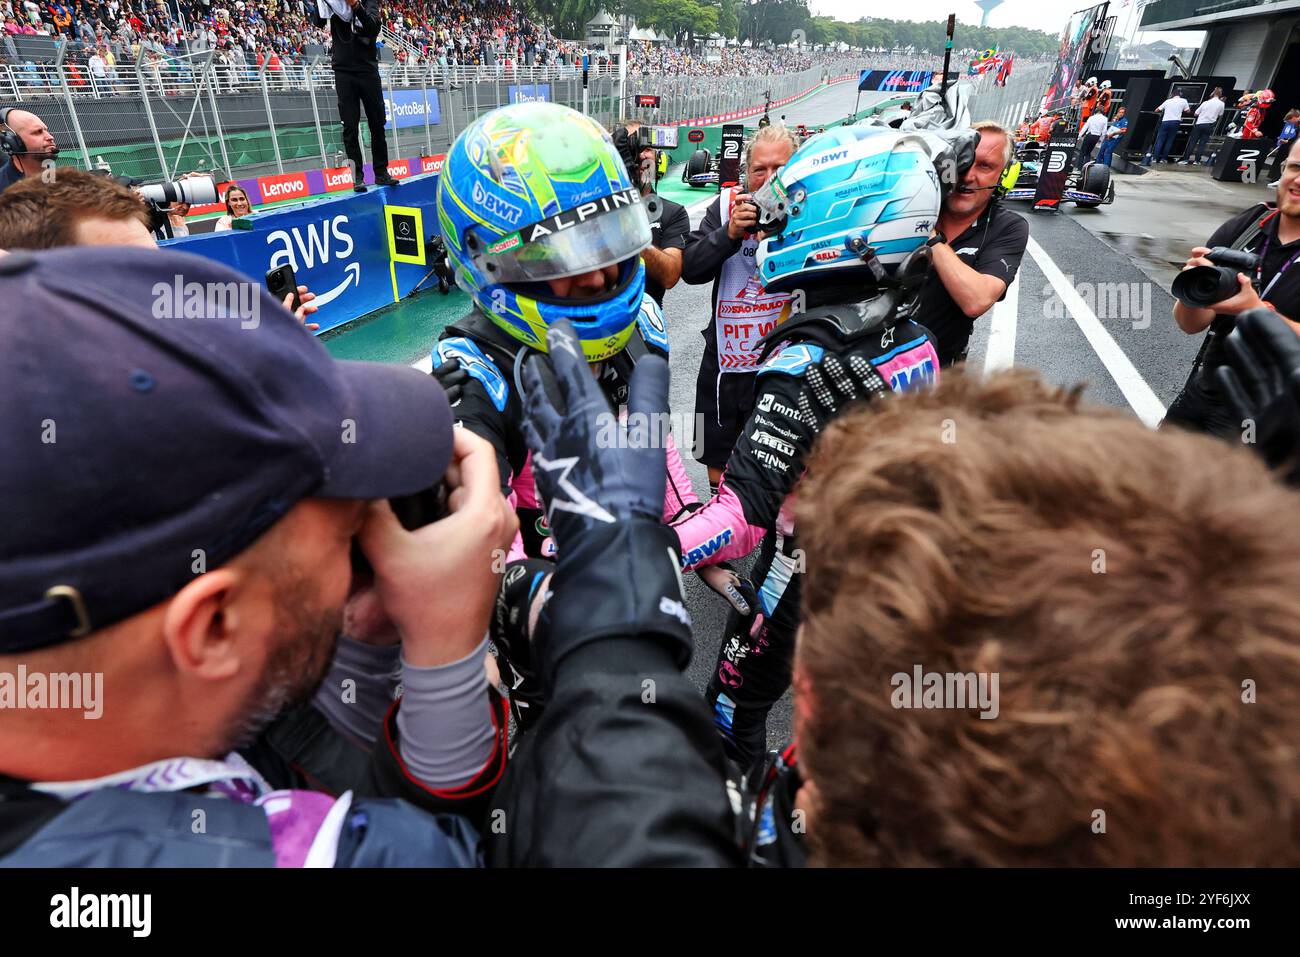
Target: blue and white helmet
(847, 191)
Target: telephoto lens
(195, 191)
(1202, 286)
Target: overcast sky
(1048, 15)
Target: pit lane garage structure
(1256, 41)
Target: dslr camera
(1203, 286)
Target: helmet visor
(773, 206)
(601, 233)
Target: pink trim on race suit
(719, 531)
(677, 493)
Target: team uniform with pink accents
(754, 662)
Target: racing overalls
(754, 663)
(491, 406)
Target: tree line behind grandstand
(773, 21)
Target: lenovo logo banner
(274, 189)
(337, 179)
(432, 164)
(399, 169)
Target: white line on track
(1139, 395)
(1001, 352)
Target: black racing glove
(738, 590)
(451, 375)
(617, 570)
(839, 380)
(1262, 383)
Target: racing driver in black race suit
(834, 228)
(541, 221)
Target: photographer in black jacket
(354, 28)
(1274, 236)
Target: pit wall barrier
(358, 252)
(281, 187)
(756, 110)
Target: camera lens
(1203, 286)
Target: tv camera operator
(669, 222)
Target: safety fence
(1021, 96)
(156, 119)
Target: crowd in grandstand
(106, 37)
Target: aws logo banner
(338, 250)
(337, 246)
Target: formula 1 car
(701, 169)
(1088, 187)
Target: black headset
(10, 142)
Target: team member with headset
(28, 143)
(977, 245)
(669, 222)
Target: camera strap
(1248, 236)
(1259, 267)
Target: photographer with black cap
(1262, 246)
(28, 143)
(186, 500)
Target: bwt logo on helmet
(830, 157)
(495, 205)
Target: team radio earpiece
(11, 143)
(1008, 180)
(1005, 184)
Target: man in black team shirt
(354, 54)
(669, 222)
(977, 249)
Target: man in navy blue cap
(183, 471)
